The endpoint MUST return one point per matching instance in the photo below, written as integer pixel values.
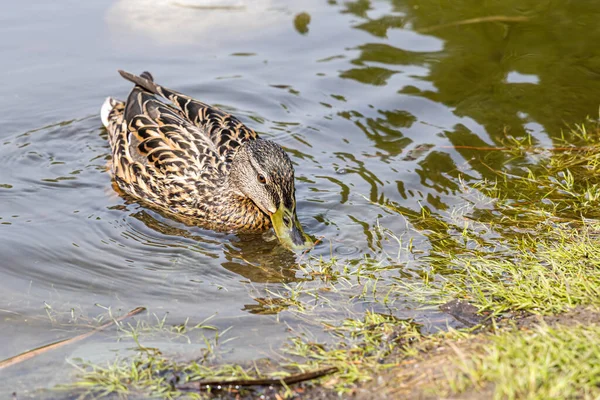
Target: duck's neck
(235, 211)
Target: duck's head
(262, 171)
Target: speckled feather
(177, 157)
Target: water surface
(375, 102)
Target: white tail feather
(107, 107)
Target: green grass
(527, 241)
(151, 374)
(547, 274)
(363, 347)
(547, 363)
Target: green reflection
(384, 131)
(503, 74)
(301, 22)
(505, 65)
(371, 75)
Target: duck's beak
(289, 231)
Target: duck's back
(170, 155)
(224, 130)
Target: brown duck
(200, 164)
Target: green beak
(289, 231)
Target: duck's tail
(108, 105)
(146, 81)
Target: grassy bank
(546, 363)
(525, 242)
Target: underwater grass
(360, 350)
(533, 247)
(150, 373)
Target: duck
(200, 164)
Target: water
(372, 99)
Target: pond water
(375, 101)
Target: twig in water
(491, 18)
(290, 380)
(40, 350)
(484, 148)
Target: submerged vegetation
(524, 243)
(533, 244)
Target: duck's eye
(262, 179)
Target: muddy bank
(429, 375)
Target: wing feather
(224, 130)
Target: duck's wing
(158, 154)
(223, 129)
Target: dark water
(370, 98)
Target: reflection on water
(247, 255)
(183, 22)
(379, 104)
